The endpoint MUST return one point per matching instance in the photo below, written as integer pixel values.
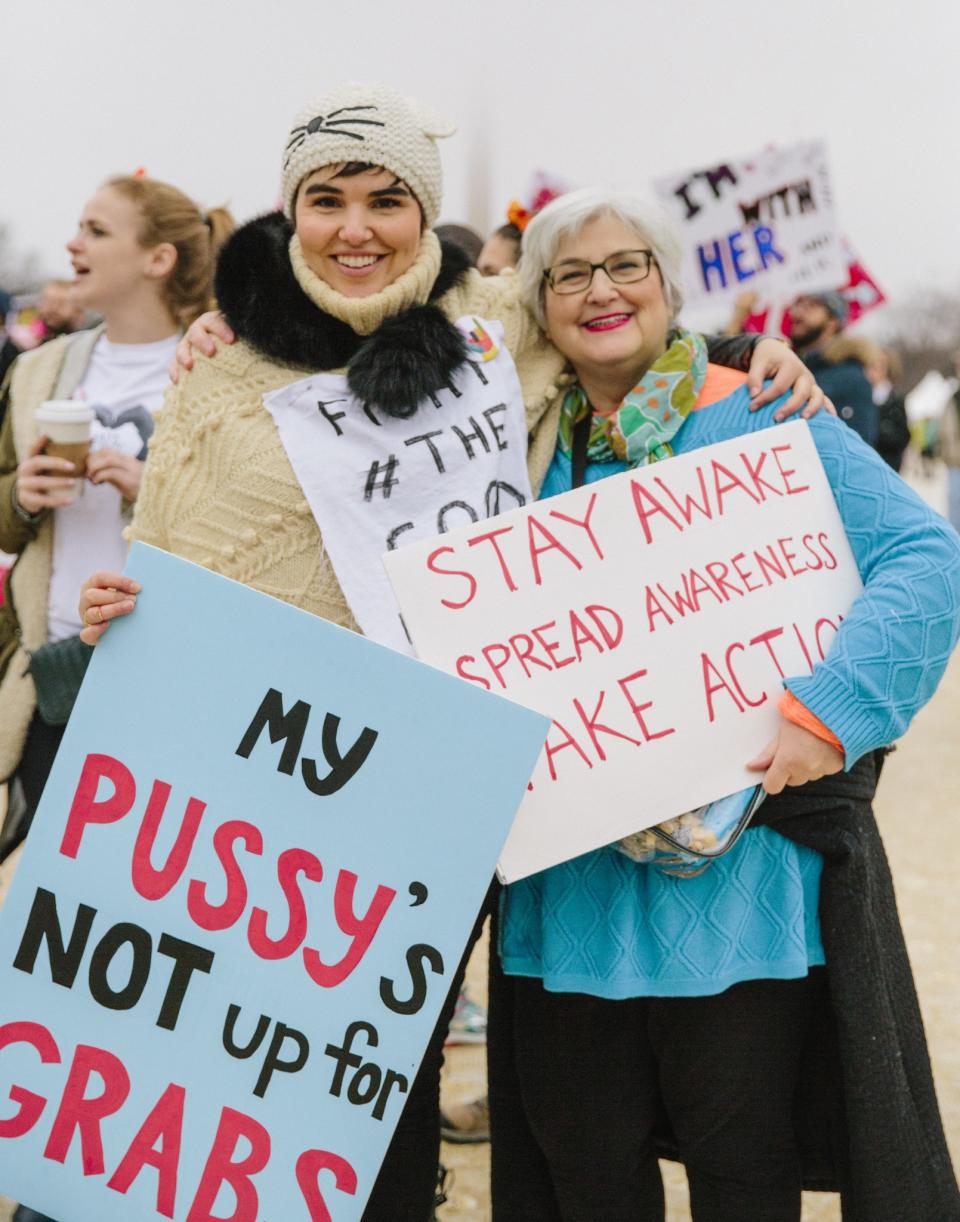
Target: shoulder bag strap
(578, 456)
(80, 347)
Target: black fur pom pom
(262, 301)
(408, 357)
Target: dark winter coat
(893, 430)
(874, 1128)
(839, 372)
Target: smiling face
(357, 233)
(608, 332)
(112, 269)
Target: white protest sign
(930, 396)
(765, 223)
(652, 616)
(374, 481)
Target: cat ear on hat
(432, 124)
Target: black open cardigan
(867, 1121)
(868, 1118)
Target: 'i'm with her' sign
(653, 616)
(765, 223)
(249, 883)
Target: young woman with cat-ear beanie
(351, 279)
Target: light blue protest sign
(248, 886)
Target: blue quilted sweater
(604, 925)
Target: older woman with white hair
(639, 1012)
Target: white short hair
(567, 215)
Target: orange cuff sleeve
(797, 712)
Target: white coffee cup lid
(65, 411)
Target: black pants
(405, 1187)
(39, 752)
(577, 1083)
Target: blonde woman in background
(143, 258)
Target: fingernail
(136, 587)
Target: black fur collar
(412, 355)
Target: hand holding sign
(105, 597)
(793, 757)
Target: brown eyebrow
(396, 189)
(324, 188)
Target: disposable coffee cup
(67, 427)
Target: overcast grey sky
(596, 91)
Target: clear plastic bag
(686, 845)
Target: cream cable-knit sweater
(219, 489)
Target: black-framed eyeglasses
(623, 267)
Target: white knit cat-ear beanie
(371, 123)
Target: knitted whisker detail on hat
(324, 123)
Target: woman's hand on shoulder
(202, 337)
(776, 362)
(793, 757)
(43, 481)
(104, 597)
(121, 470)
